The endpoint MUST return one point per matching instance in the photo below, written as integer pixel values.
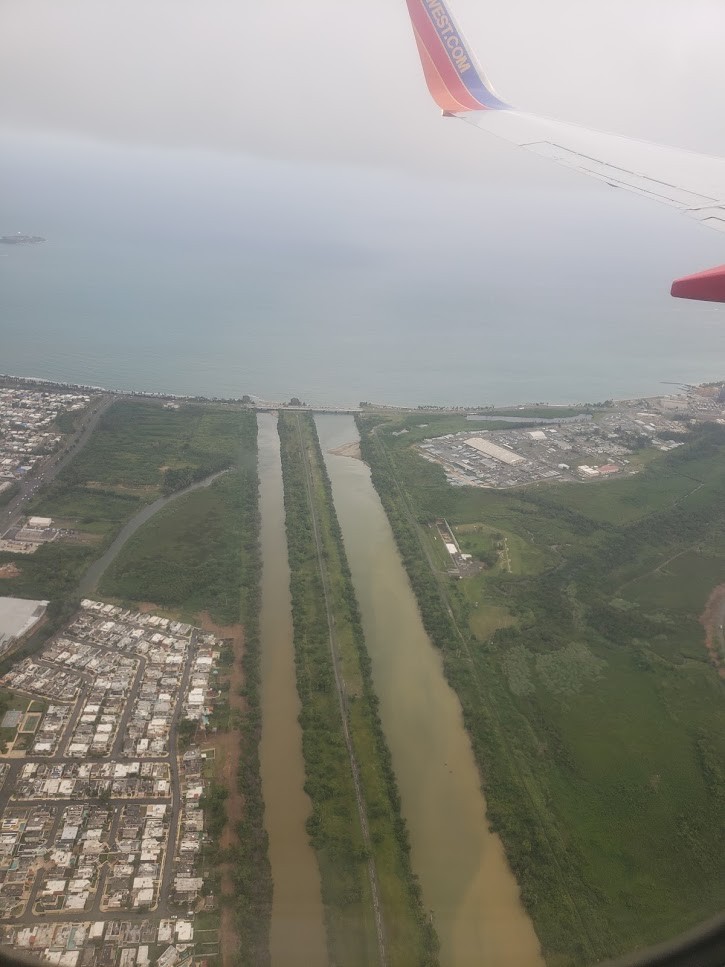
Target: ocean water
(221, 275)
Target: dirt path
(712, 619)
(227, 747)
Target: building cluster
(19, 617)
(27, 433)
(105, 943)
(557, 451)
(102, 825)
(26, 833)
(142, 839)
(28, 534)
(187, 882)
(49, 730)
(176, 662)
(30, 675)
(71, 873)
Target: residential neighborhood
(101, 808)
(27, 430)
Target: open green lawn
(598, 723)
(11, 701)
(516, 553)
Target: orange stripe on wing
(437, 57)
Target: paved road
(117, 748)
(164, 909)
(48, 469)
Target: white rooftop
(18, 615)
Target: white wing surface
(694, 183)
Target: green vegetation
(334, 826)
(138, 452)
(68, 421)
(141, 446)
(188, 557)
(213, 802)
(15, 701)
(594, 714)
(543, 412)
(252, 870)
(7, 495)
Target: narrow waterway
(90, 580)
(464, 875)
(298, 933)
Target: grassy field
(595, 716)
(334, 826)
(16, 701)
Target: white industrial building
(17, 617)
(489, 449)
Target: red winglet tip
(707, 286)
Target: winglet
(708, 286)
(457, 84)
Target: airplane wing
(694, 183)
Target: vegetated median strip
(374, 450)
(349, 771)
(253, 872)
(342, 700)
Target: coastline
(265, 406)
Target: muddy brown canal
(464, 874)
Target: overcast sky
(310, 126)
(340, 81)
